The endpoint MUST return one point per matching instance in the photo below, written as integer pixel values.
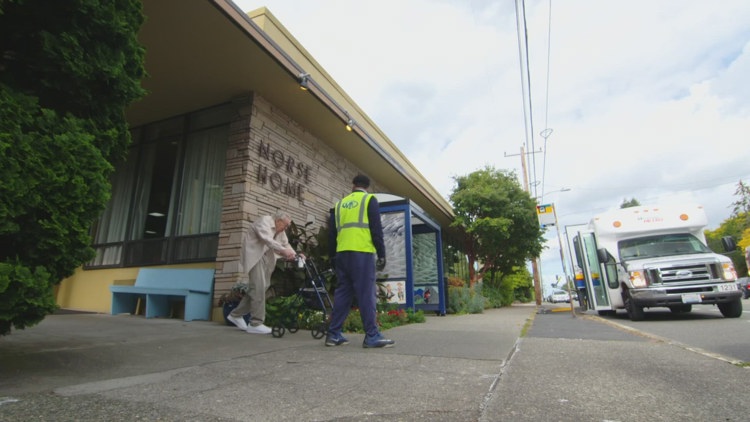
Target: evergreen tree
(68, 69)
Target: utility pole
(534, 262)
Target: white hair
(281, 215)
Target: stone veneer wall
(246, 197)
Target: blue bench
(160, 286)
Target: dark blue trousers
(355, 277)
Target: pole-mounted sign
(546, 214)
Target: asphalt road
(704, 328)
(590, 369)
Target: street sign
(546, 214)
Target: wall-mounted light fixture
(349, 121)
(303, 78)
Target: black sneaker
(335, 340)
(377, 341)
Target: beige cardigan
(259, 240)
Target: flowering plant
(234, 295)
(388, 317)
(394, 316)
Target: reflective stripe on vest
(352, 224)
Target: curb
(664, 340)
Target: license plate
(728, 287)
(691, 298)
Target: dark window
(167, 196)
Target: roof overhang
(203, 53)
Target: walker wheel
(319, 331)
(293, 327)
(277, 331)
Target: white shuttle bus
(653, 256)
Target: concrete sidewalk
(93, 367)
(103, 367)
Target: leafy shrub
(353, 323)
(32, 297)
(503, 290)
(415, 316)
(465, 300)
(496, 297)
(288, 310)
(456, 281)
(388, 317)
(518, 286)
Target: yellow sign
(546, 214)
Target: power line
(703, 184)
(523, 53)
(547, 131)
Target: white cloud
(646, 100)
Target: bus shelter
(413, 276)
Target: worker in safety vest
(356, 240)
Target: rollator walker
(313, 296)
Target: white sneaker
(258, 329)
(238, 321)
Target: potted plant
(228, 301)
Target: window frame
(172, 248)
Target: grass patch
(526, 326)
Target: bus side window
(611, 268)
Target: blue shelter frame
(413, 277)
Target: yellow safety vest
(352, 224)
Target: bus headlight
(728, 273)
(637, 279)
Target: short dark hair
(361, 181)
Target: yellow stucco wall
(88, 290)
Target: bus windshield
(661, 245)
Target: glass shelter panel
(395, 253)
(425, 268)
(413, 276)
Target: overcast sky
(644, 99)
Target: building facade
(224, 136)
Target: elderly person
(265, 240)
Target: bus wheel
(635, 312)
(731, 309)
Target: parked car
(742, 281)
(560, 296)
